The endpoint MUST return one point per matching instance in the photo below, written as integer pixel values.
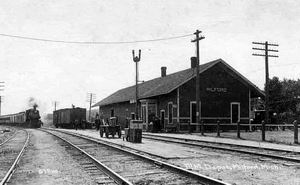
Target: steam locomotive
(29, 119)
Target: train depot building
(225, 96)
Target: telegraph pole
(91, 97)
(90, 107)
(55, 103)
(136, 59)
(0, 104)
(266, 55)
(1, 86)
(198, 118)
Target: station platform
(156, 148)
(147, 145)
(242, 142)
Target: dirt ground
(6, 135)
(47, 162)
(282, 137)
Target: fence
(218, 128)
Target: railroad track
(7, 139)
(100, 173)
(263, 152)
(137, 168)
(11, 152)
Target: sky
(65, 72)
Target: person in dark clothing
(97, 122)
(83, 124)
(76, 124)
(156, 124)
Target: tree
(284, 95)
(290, 91)
(275, 92)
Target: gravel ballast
(45, 161)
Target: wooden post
(90, 110)
(267, 93)
(266, 55)
(202, 127)
(218, 128)
(295, 132)
(238, 129)
(136, 59)
(262, 130)
(198, 119)
(0, 105)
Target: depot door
(235, 112)
(193, 113)
(144, 114)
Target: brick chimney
(163, 71)
(193, 62)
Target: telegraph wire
(272, 66)
(93, 42)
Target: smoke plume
(32, 102)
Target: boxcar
(65, 118)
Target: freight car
(29, 118)
(66, 118)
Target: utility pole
(0, 104)
(136, 59)
(1, 89)
(55, 103)
(198, 118)
(91, 98)
(266, 55)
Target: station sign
(216, 89)
(132, 101)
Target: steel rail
(203, 178)
(12, 168)
(118, 179)
(188, 142)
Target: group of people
(154, 123)
(79, 124)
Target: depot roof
(168, 83)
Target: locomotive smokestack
(32, 102)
